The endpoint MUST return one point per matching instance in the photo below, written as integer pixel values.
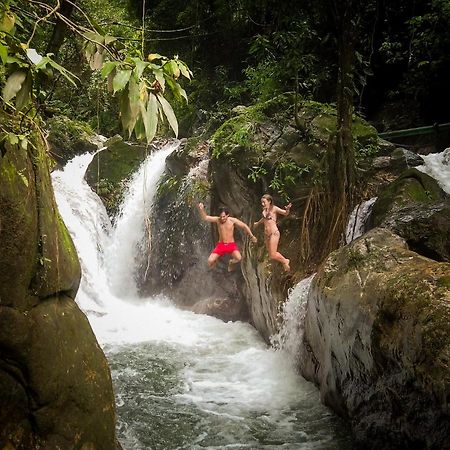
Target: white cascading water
(437, 165)
(293, 316)
(182, 380)
(357, 222)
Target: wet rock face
(55, 385)
(225, 309)
(377, 342)
(181, 243)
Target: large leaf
(46, 60)
(3, 53)
(108, 67)
(8, 21)
(184, 70)
(178, 91)
(168, 111)
(140, 67)
(154, 56)
(96, 61)
(139, 129)
(134, 100)
(24, 95)
(172, 68)
(13, 84)
(150, 117)
(159, 75)
(124, 109)
(95, 37)
(121, 79)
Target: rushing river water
(182, 380)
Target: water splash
(437, 165)
(290, 335)
(356, 225)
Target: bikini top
(267, 216)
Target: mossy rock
(377, 341)
(55, 386)
(411, 187)
(110, 168)
(68, 138)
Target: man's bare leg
(212, 260)
(235, 258)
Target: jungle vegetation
(92, 60)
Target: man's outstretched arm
(246, 228)
(204, 216)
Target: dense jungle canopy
(240, 52)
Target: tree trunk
(60, 28)
(342, 155)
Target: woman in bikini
(271, 233)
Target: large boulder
(377, 342)
(417, 209)
(55, 384)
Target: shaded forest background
(246, 51)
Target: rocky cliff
(377, 342)
(55, 384)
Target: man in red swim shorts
(226, 245)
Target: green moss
(411, 187)
(237, 134)
(444, 282)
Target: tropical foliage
(139, 80)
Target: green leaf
(139, 129)
(96, 37)
(24, 95)
(63, 71)
(23, 178)
(109, 39)
(178, 91)
(150, 117)
(121, 79)
(159, 75)
(13, 84)
(108, 67)
(3, 53)
(168, 111)
(12, 138)
(140, 67)
(171, 67)
(96, 61)
(8, 22)
(184, 70)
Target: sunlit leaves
(3, 53)
(141, 86)
(121, 79)
(13, 84)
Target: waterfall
(357, 222)
(130, 241)
(437, 165)
(182, 380)
(89, 225)
(291, 333)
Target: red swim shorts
(223, 248)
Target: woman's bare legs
(272, 246)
